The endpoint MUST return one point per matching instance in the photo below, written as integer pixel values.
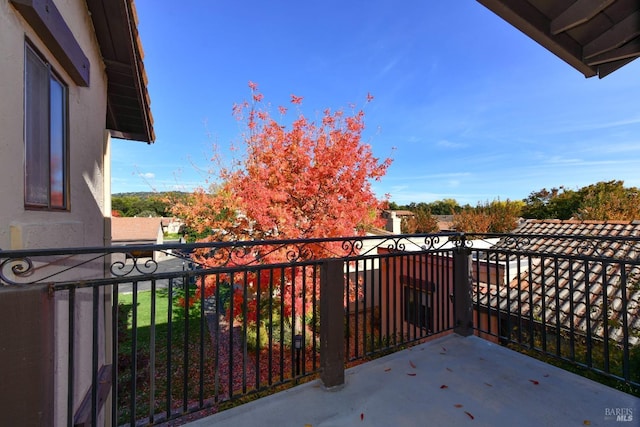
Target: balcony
(451, 381)
(428, 327)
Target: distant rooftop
(135, 229)
(563, 267)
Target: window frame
(52, 76)
(417, 310)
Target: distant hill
(146, 194)
(144, 203)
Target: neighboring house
(559, 284)
(394, 219)
(138, 231)
(71, 77)
(172, 225)
(445, 222)
(416, 287)
(548, 281)
(371, 268)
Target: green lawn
(162, 352)
(144, 307)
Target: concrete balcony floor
(451, 381)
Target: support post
(26, 355)
(332, 323)
(462, 296)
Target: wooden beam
(115, 22)
(629, 50)
(522, 15)
(130, 136)
(139, 74)
(578, 13)
(616, 36)
(608, 68)
(45, 19)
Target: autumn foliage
(495, 217)
(307, 180)
(298, 179)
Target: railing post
(27, 328)
(462, 299)
(332, 323)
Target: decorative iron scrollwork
(430, 242)
(352, 247)
(19, 267)
(517, 242)
(296, 253)
(461, 242)
(590, 247)
(121, 269)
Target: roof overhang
(596, 37)
(128, 104)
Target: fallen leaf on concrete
(412, 364)
(361, 416)
(411, 374)
(449, 369)
(387, 370)
(586, 422)
(470, 416)
(457, 405)
(535, 382)
(444, 386)
(488, 385)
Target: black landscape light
(297, 344)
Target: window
(45, 111)
(417, 305)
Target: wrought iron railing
(572, 300)
(167, 330)
(180, 328)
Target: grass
(162, 387)
(144, 308)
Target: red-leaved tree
(307, 179)
(310, 179)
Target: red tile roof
(135, 229)
(574, 277)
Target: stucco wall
(436, 269)
(84, 223)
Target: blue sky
(475, 109)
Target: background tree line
(145, 204)
(604, 201)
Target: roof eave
(600, 55)
(116, 30)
